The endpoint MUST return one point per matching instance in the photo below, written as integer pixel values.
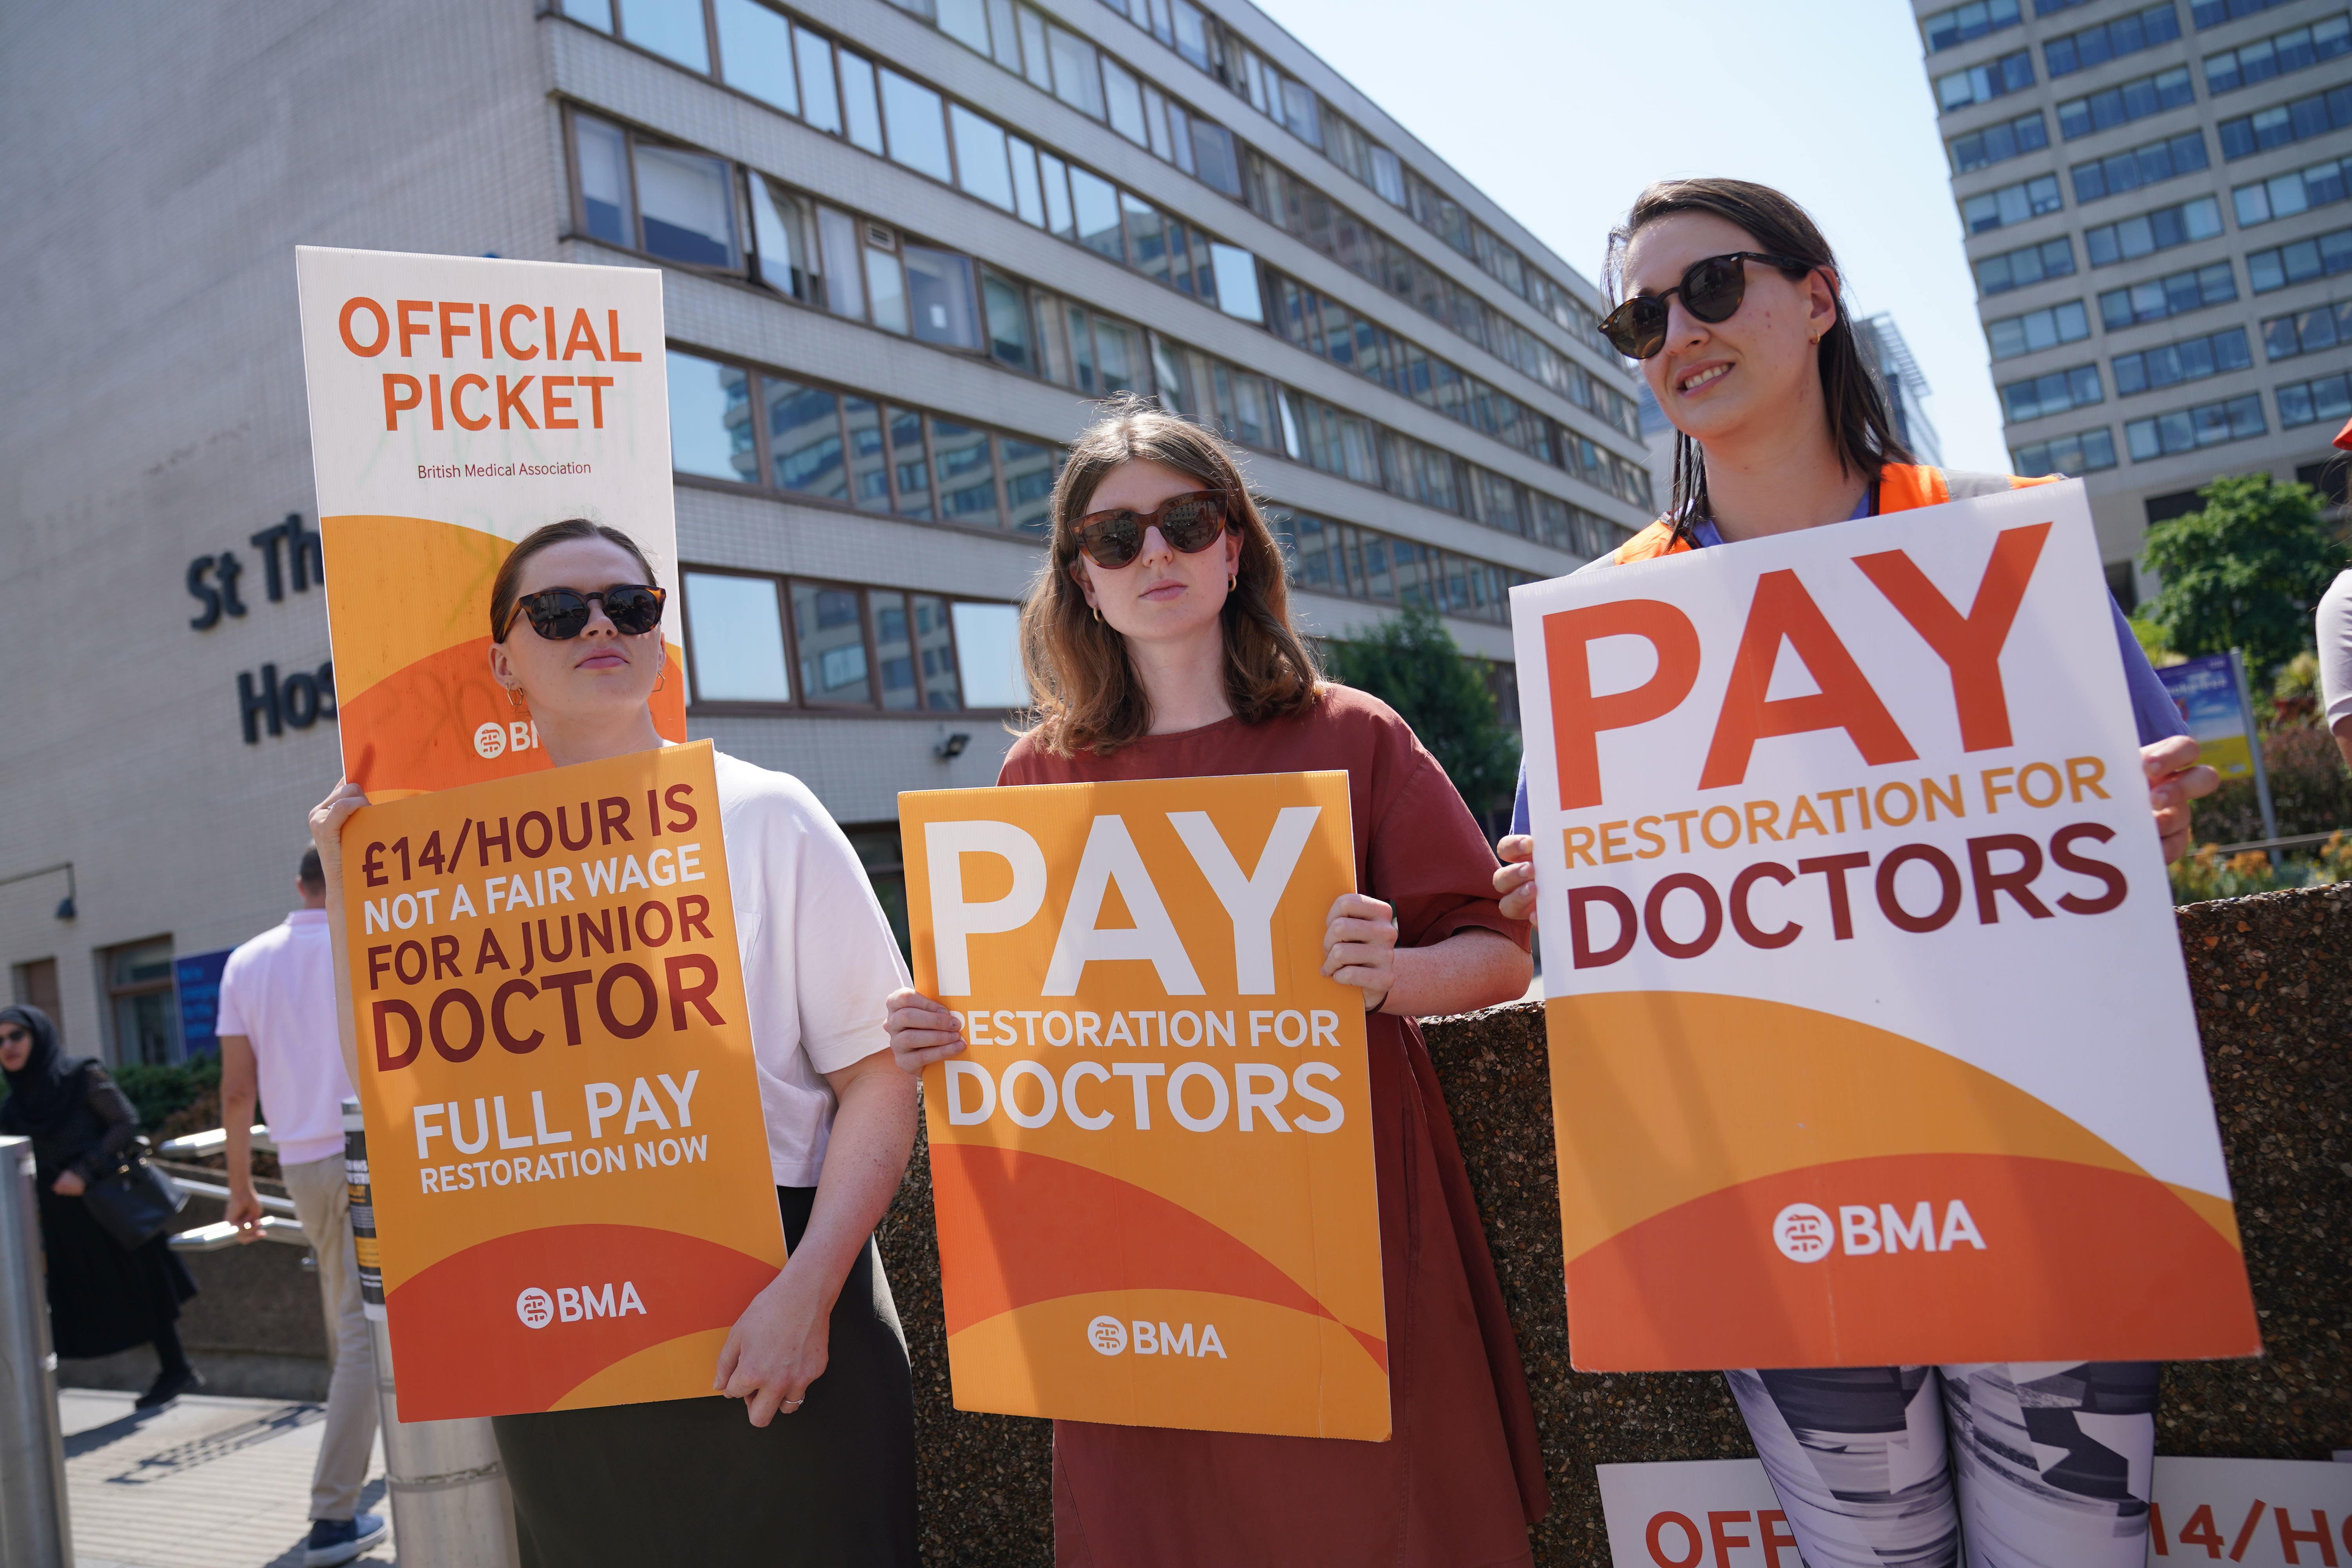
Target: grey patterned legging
(2052, 1461)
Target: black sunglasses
(1190, 523)
(560, 614)
(1711, 289)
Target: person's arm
(779, 1345)
(2344, 738)
(327, 820)
(240, 1091)
(115, 1109)
(1473, 968)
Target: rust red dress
(1461, 1477)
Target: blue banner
(198, 977)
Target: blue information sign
(198, 977)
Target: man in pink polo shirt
(279, 1039)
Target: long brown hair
(503, 587)
(1086, 693)
(1860, 426)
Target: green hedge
(158, 1091)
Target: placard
(1153, 1165)
(457, 403)
(1871, 1040)
(1723, 1513)
(573, 1196)
(2206, 692)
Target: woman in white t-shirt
(824, 1471)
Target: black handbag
(134, 1202)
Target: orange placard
(1152, 1167)
(457, 403)
(571, 1171)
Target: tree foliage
(1413, 664)
(2244, 573)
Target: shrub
(2310, 791)
(157, 1092)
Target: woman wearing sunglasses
(823, 1471)
(1732, 306)
(1157, 643)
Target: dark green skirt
(690, 1480)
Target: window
(755, 49)
(596, 14)
(2324, 399)
(965, 474)
(2321, 255)
(2278, 55)
(2213, 13)
(861, 110)
(2152, 232)
(1963, 23)
(916, 121)
(671, 29)
(142, 1008)
(2175, 295)
(2038, 329)
(821, 102)
(2086, 452)
(804, 447)
(2129, 170)
(829, 637)
(2040, 395)
(686, 199)
(983, 168)
(1011, 334)
(942, 298)
(2187, 430)
(2011, 204)
(1982, 84)
(783, 235)
(709, 419)
(2028, 265)
(988, 651)
(2120, 105)
(2309, 331)
(1123, 102)
(1029, 471)
(2192, 359)
(2296, 191)
(1095, 201)
(1078, 78)
(2283, 123)
(1999, 144)
(886, 279)
(736, 637)
(2112, 40)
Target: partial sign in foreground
(573, 1196)
(2259, 1513)
(1871, 1040)
(1152, 1167)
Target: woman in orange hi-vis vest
(1732, 306)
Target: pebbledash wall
(905, 248)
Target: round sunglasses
(1711, 289)
(1190, 523)
(560, 614)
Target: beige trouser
(323, 1203)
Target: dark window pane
(832, 645)
(804, 439)
(869, 466)
(934, 648)
(1029, 485)
(689, 215)
(967, 478)
(604, 182)
(1095, 200)
(909, 470)
(939, 290)
(1009, 338)
(894, 649)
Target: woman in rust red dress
(1159, 645)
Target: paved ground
(206, 1483)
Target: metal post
(33, 1531)
(2254, 748)
(450, 1505)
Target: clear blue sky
(1562, 110)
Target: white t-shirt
(278, 992)
(818, 956)
(2334, 624)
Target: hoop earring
(1232, 578)
(664, 674)
(513, 694)
(1098, 613)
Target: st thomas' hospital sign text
(290, 559)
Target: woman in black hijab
(101, 1299)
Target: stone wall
(2272, 981)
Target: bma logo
(1109, 1337)
(495, 740)
(1804, 1234)
(572, 1304)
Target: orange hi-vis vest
(1901, 487)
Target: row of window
(2010, 205)
(2325, 399)
(2025, 266)
(1294, 106)
(864, 269)
(1999, 144)
(1943, 29)
(2285, 195)
(1340, 559)
(2309, 331)
(2143, 369)
(790, 642)
(2124, 102)
(2134, 167)
(2106, 244)
(2320, 255)
(2039, 396)
(1308, 214)
(2283, 337)
(834, 88)
(2126, 34)
(2084, 452)
(2037, 329)
(2279, 55)
(2284, 123)
(845, 449)
(2185, 429)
